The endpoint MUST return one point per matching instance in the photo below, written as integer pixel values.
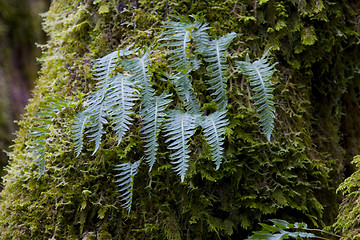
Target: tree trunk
(293, 177)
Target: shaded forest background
(20, 30)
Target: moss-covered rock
(293, 177)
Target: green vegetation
(116, 96)
(292, 177)
(282, 229)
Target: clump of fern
(45, 120)
(117, 95)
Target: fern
(214, 130)
(126, 182)
(97, 118)
(186, 92)
(215, 56)
(259, 74)
(140, 70)
(116, 97)
(101, 103)
(121, 99)
(103, 68)
(180, 126)
(153, 117)
(178, 36)
(78, 128)
(46, 117)
(281, 229)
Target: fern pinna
(116, 97)
(153, 117)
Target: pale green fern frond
(259, 74)
(46, 116)
(214, 129)
(178, 36)
(179, 128)
(97, 118)
(120, 101)
(153, 116)
(126, 182)
(139, 67)
(78, 129)
(38, 146)
(104, 66)
(186, 92)
(101, 104)
(214, 54)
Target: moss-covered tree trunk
(294, 177)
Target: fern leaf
(104, 66)
(181, 43)
(46, 117)
(259, 74)
(153, 116)
(140, 70)
(178, 36)
(126, 182)
(215, 56)
(180, 127)
(214, 130)
(78, 129)
(120, 101)
(38, 149)
(186, 92)
(97, 118)
(101, 102)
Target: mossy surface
(294, 177)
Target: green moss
(293, 177)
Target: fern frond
(78, 129)
(38, 146)
(214, 130)
(153, 116)
(46, 117)
(139, 67)
(97, 118)
(186, 92)
(120, 101)
(126, 182)
(178, 36)
(179, 128)
(259, 74)
(104, 66)
(214, 54)
(101, 103)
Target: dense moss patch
(293, 177)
